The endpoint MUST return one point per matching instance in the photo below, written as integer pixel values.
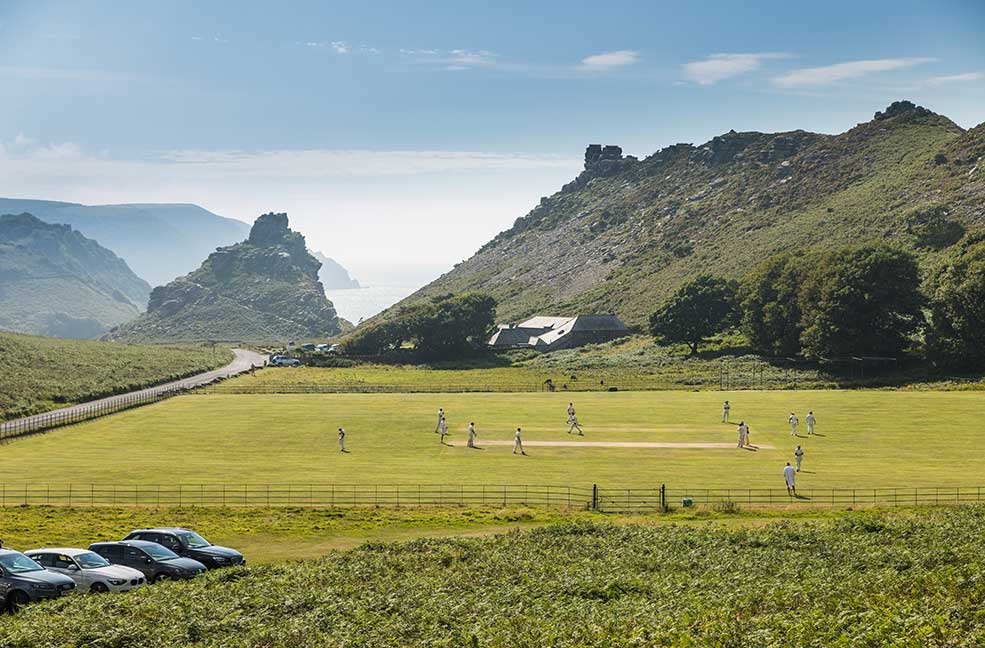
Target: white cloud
(609, 60)
(718, 67)
(460, 57)
(966, 77)
(340, 46)
(826, 75)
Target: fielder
(798, 456)
(443, 427)
(341, 440)
(573, 420)
(518, 443)
(571, 410)
(790, 477)
(743, 434)
(472, 434)
(793, 420)
(441, 417)
(810, 423)
(725, 409)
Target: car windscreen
(91, 560)
(193, 540)
(18, 563)
(157, 552)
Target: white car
(90, 571)
(284, 361)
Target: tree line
(862, 300)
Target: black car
(156, 562)
(189, 544)
(22, 580)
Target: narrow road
(242, 361)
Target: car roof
(67, 551)
(160, 530)
(125, 543)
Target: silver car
(90, 571)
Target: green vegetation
(890, 579)
(38, 374)
(870, 439)
(448, 326)
(642, 228)
(956, 334)
(265, 289)
(56, 282)
(699, 309)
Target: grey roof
(543, 331)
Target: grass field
(862, 579)
(866, 439)
(38, 374)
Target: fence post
(595, 497)
(663, 497)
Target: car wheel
(98, 588)
(16, 600)
(162, 577)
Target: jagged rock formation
(626, 232)
(56, 282)
(264, 289)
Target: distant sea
(361, 303)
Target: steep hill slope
(160, 242)
(264, 289)
(628, 232)
(56, 282)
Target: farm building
(553, 333)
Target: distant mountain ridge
(159, 242)
(333, 276)
(56, 282)
(264, 289)
(627, 232)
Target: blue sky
(400, 136)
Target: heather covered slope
(628, 232)
(265, 289)
(54, 281)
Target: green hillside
(56, 282)
(628, 232)
(265, 289)
(38, 374)
(861, 579)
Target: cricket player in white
(573, 420)
(472, 434)
(725, 408)
(441, 417)
(341, 440)
(517, 443)
(798, 456)
(810, 423)
(571, 410)
(790, 477)
(443, 426)
(743, 432)
(793, 420)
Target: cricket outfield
(632, 439)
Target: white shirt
(571, 410)
(516, 437)
(799, 452)
(789, 474)
(793, 420)
(471, 430)
(443, 426)
(810, 419)
(726, 407)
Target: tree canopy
(698, 310)
(956, 334)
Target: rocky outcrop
(265, 289)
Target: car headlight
(220, 559)
(44, 586)
(118, 581)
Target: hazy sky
(401, 136)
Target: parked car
(308, 346)
(155, 562)
(90, 571)
(189, 544)
(322, 348)
(22, 580)
(284, 361)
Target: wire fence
(594, 497)
(86, 412)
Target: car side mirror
(73, 568)
(148, 560)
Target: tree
(956, 335)
(698, 310)
(862, 300)
(771, 317)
